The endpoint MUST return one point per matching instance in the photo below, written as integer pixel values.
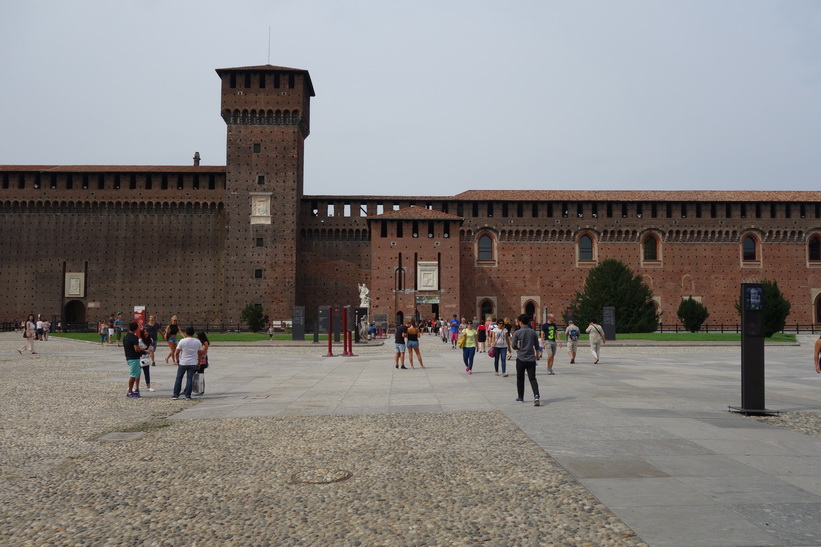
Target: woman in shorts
(413, 343)
(172, 331)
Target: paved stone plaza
(290, 447)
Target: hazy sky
(434, 97)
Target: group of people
(499, 339)
(111, 330)
(190, 354)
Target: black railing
(795, 328)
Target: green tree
(613, 283)
(254, 317)
(776, 308)
(692, 314)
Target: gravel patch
(808, 423)
(401, 479)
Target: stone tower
(267, 111)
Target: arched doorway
(74, 312)
(400, 318)
(530, 309)
(818, 310)
(486, 310)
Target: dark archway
(486, 310)
(74, 312)
(400, 318)
(530, 309)
(818, 310)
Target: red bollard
(330, 333)
(345, 333)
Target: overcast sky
(433, 97)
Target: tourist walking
(596, 333)
(526, 343)
(572, 334)
(133, 352)
(399, 341)
(467, 341)
(172, 332)
(453, 329)
(186, 357)
(550, 340)
(154, 330)
(147, 345)
(102, 328)
(500, 342)
(29, 332)
(481, 337)
(118, 327)
(412, 336)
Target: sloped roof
(114, 168)
(415, 213)
(637, 195)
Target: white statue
(364, 296)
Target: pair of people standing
(407, 338)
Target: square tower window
(258, 273)
(257, 148)
(260, 179)
(260, 242)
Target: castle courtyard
(288, 446)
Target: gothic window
(650, 248)
(485, 248)
(585, 248)
(815, 249)
(749, 250)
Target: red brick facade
(203, 242)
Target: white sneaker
(151, 389)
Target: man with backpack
(572, 333)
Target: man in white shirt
(187, 356)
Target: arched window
(815, 248)
(651, 248)
(485, 247)
(749, 249)
(585, 248)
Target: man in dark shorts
(399, 340)
(131, 346)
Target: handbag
(491, 353)
(463, 340)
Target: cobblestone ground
(400, 479)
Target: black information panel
(608, 322)
(298, 323)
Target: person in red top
(481, 337)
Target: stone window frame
(594, 250)
(756, 262)
(492, 261)
(658, 262)
(813, 262)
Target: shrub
(254, 317)
(692, 314)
